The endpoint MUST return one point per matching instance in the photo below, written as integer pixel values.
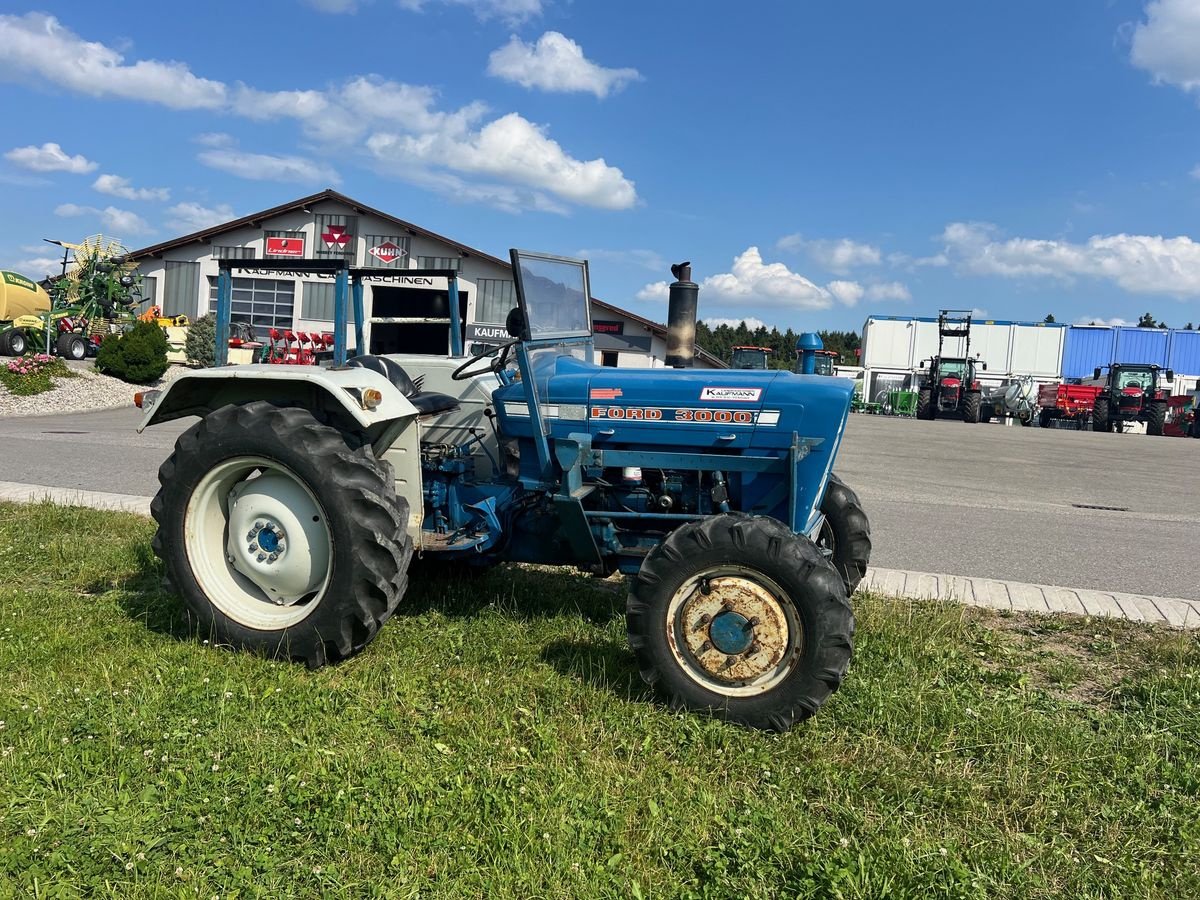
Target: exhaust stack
(681, 317)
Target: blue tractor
(289, 514)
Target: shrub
(200, 346)
(138, 356)
(34, 374)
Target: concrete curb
(1035, 598)
(987, 592)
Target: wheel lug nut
(250, 534)
(258, 526)
(254, 548)
(754, 648)
(706, 646)
(261, 557)
(730, 662)
(705, 619)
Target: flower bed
(35, 374)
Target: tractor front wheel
(925, 404)
(971, 406)
(282, 536)
(15, 342)
(1156, 415)
(739, 617)
(1100, 415)
(846, 535)
(71, 346)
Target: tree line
(721, 340)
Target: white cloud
(334, 6)
(188, 217)
(658, 290)
(214, 139)
(35, 267)
(847, 292)
(513, 149)
(512, 11)
(1141, 264)
(890, 290)
(751, 323)
(117, 186)
(265, 167)
(556, 63)
(508, 162)
(49, 157)
(1100, 320)
(768, 284)
(39, 45)
(642, 259)
(838, 256)
(118, 221)
(1167, 44)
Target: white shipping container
(887, 343)
(1037, 350)
(992, 344)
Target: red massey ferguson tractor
(951, 385)
(1131, 393)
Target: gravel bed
(89, 391)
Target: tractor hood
(724, 409)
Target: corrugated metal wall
(1184, 352)
(1085, 348)
(1142, 345)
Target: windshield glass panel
(749, 359)
(554, 296)
(951, 368)
(1133, 378)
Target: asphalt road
(980, 500)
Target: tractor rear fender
(337, 392)
(392, 427)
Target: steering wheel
(463, 372)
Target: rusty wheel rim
(734, 631)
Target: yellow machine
(19, 296)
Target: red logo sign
(281, 246)
(387, 252)
(336, 238)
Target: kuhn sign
(387, 252)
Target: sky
(816, 161)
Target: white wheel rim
(732, 630)
(258, 543)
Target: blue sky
(816, 161)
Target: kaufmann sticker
(731, 394)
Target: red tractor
(1133, 392)
(952, 385)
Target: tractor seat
(427, 402)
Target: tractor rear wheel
(1156, 414)
(924, 404)
(971, 405)
(282, 535)
(1044, 418)
(846, 535)
(738, 617)
(1100, 414)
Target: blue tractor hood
(726, 409)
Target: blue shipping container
(1142, 345)
(1184, 355)
(1086, 347)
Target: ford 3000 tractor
(288, 514)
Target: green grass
(495, 741)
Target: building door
(181, 293)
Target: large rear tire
(15, 342)
(738, 617)
(971, 404)
(924, 404)
(1044, 418)
(281, 534)
(1156, 415)
(1100, 414)
(846, 535)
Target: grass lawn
(495, 741)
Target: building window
(608, 358)
(336, 237)
(496, 297)
(234, 252)
(386, 251)
(181, 291)
(440, 262)
(317, 302)
(262, 302)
